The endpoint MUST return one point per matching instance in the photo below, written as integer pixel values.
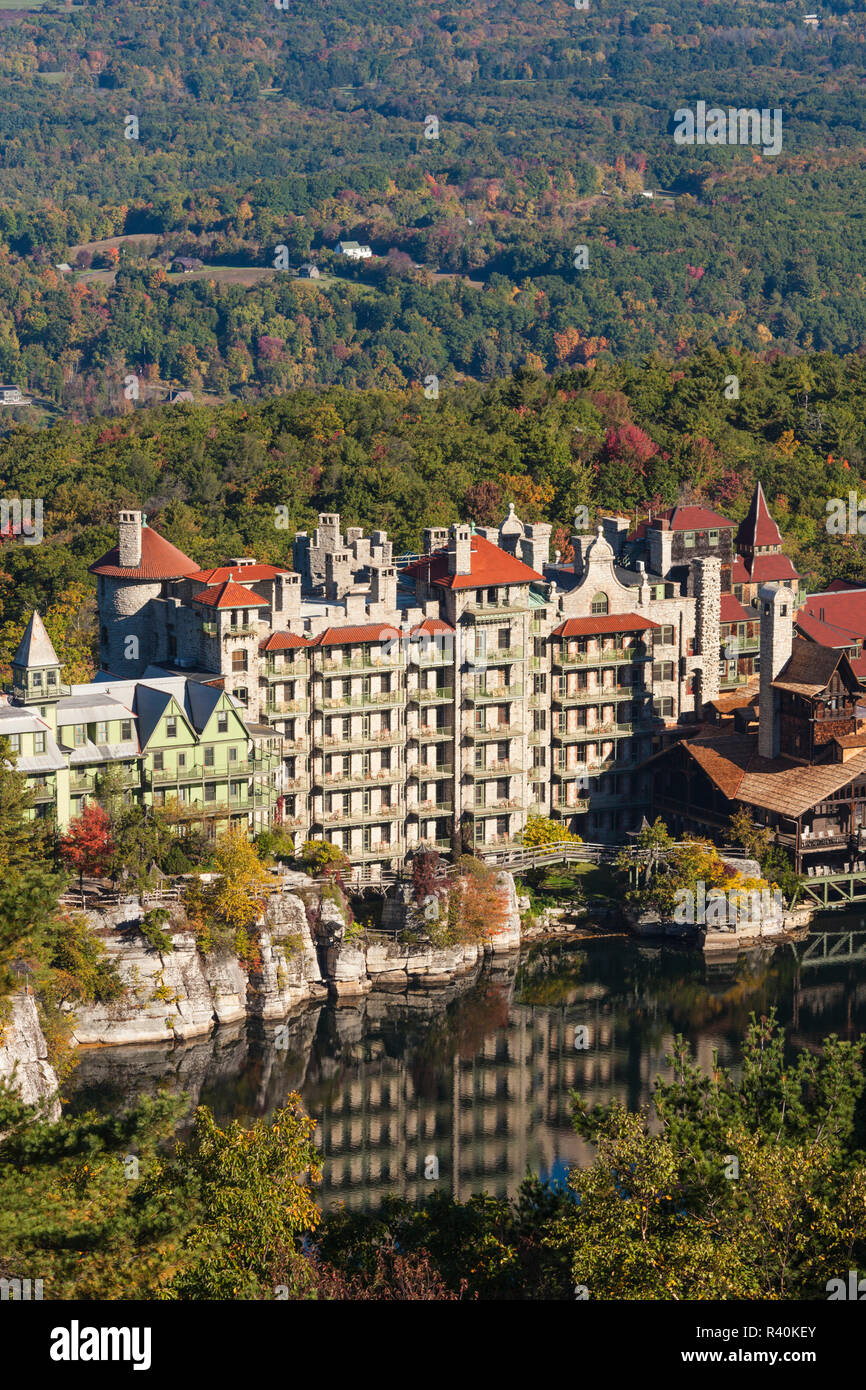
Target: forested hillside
(616, 436)
(261, 127)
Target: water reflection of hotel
(488, 1117)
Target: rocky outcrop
(24, 1064)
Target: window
(223, 722)
(714, 537)
(52, 680)
(210, 791)
(663, 671)
(663, 707)
(126, 731)
(37, 680)
(233, 755)
(171, 726)
(599, 604)
(159, 761)
(688, 539)
(504, 639)
(208, 757)
(102, 733)
(242, 695)
(239, 660)
(79, 735)
(39, 742)
(665, 635)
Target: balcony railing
(286, 707)
(382, 662)
(431, 808)
(496, 769)
(507, 803)
(430, 733)
(428, 696)
(612, 656)
(373, 697)
(493, 655)
(496, 692)
(569, 808)
(358, 779)
(614, 696)
(494, 731)
(357, 815)
(373, 739)
(242, 630)
(288, 672)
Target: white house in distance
(354, 250)
(11, 395)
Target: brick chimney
(129, 535)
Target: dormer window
(599, 604)
(14, 742)
(79, 735)
(39, 742)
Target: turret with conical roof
(36, 671)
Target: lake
(469, 1086)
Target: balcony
(613, 656)
(278, 710)
(358, 779)
(359, 816)
(383, 662)
(288, 672)
(507, 803)
(614, 696)
(431, 809)
(569, 808)
(441, 694)
(430, 772)
(497, 609)
(587, 733)
(430, 733)
(495, 769)
(499, 693)
(243, 630)
(492, 656)
(371, 698)
(493, 731)
(41, 795)
(80, 781)
(374, 739)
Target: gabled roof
(159, 560)
(230, 595)
(283, 641)
(367, 632)
(200, 702)
(488, 564)
(430, 626)
(242, 574)
(150, 705)
(767, 568)
(35, 648)
(810, 669)
(690, 519)
(602, 624)
(757, 526)
(732, 611)
(732, 763)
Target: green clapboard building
(171, 742)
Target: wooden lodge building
(796, 759)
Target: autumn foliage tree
(88, 845)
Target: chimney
(615, 530)
(380, 548)
(383, 587)
(338, 574)
(535, 545)
(129, 532)
(777, 636)
(459, 549)
(708, 595)
(435, 538)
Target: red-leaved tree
(88, 843)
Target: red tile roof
(243, 574)
(159, 560)
(432, 625)
(489, 565)
(229, 595)
(739, 573)
(368, 632)
(766, 568)
(598, 626)
(834, 618)
(758, 527)
(691, 519)
(283, 641)
(732, 611)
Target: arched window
(599, 603)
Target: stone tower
(132, 578)
(708, 595)
(777, 637)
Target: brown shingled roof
(809, 669)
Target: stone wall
(24, 1061)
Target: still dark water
(473, 1082)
